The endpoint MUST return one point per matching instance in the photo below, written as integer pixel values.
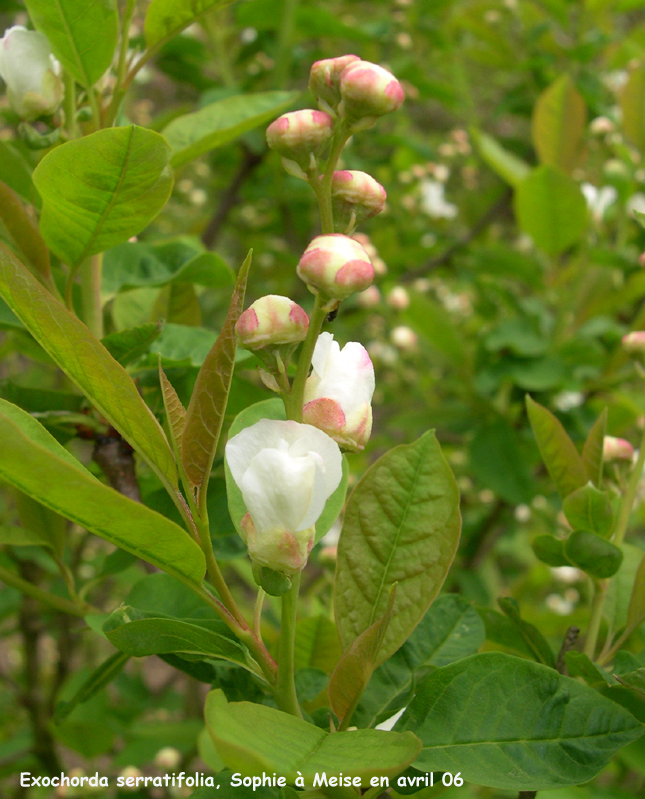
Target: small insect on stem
(331, 316)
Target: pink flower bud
(356, 196)
(324, 79)
(398, 298)
(617, 449)
(634, 342)
(369, 298)
(368, 91)
(271, 321)
(300, 136)
(404, 338)
(338, 394)
(641, 259)
(335, 266)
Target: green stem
(69, 105)
(257, 613)
(283, 57)
(128, 12)
(94, 105)
(57, 602)
(285, 686)
(323, 193)
(595, 619)
(294, 400)
(91, 272)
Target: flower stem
(294, 400)
(91, 272)
(69, 105)
(323, 193)
(285, 685)
(597, 605)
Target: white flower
(433, 201)
(31, 72)
(286, 472)
(339, 392)
(599, 200)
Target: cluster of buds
(32, 74)
(287, 470)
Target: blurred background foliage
(507, 260)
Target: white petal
(312, 440)
(265, 434)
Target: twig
(229, 198)
(570, 638)
(116, 459)
(441, 260)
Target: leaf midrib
(68, 31)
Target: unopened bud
(398, 298)
(130, 773)
(32, 74)
(369, 298)
(641, 259)
(368, 91)
(335, 266)
(601, 125)
(617, 449)
(356, 196)
(324, 79)
(168, 758)
(634, 342)
(404, 338)
(300, 136)
(271, 321)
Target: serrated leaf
(24, 231)
(35, 463)
(558, 125)
(533, 638)
(82, 34)
(354, 669)
(592, 457)
(550, 207)
(98, 679)
(252, 738)
(589, 509)
(506, 164)
(166, 18)
(207, 404)
(100, 190)
(175, 411)
(558, 451)
(402, 525)
(87, 363)
(220, 122)
(512, 724)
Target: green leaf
(558, 125)
(636, 611)
(558, 451)
(593, 554)
(82, 34)
(207, 405)
(139, 633)
(500, 630)
(550, 550)
(533, 638)
(354, 669)
(619, 592)
(175, 411)
(14, 536)
(88, 364)
(183, 345)
(126, 346)
(167, 18)
(24, 231)
(634, 680)
(43, 522)
(498, 462)
(15, 172)
(134, 265)
(253, 738)
(592, 449)
(550, 207)
(512, 724)
(432, 321)
(581, 665)
(451, 629)
(317, 644)
(632, 104)
(100, 190)
(220, 122)
(98, 679)
(35, 463)
(589, 509)
(309, 684)
(401, 525)
(506, 164)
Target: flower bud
(398, 298)
(355, 196)
(369, 298)
(324, 80)
(601, 125)
(616, 449)
(335, 266)
(286, 472)
(271, 321)
(339, 392)
(168, 758)
(634, 342)
(404, 338)
(300, 136)
(31, 72)
(368, 90)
